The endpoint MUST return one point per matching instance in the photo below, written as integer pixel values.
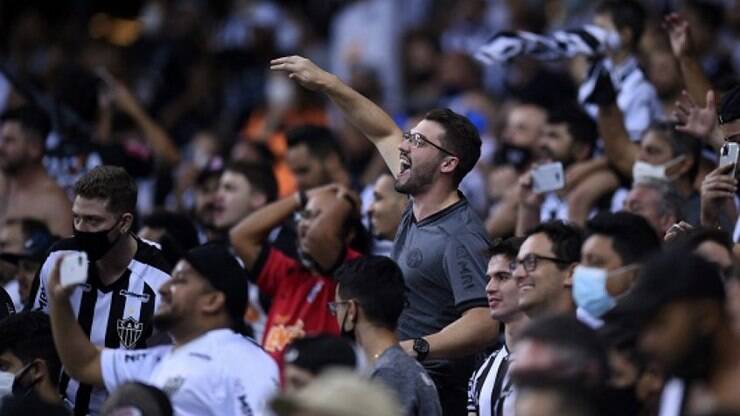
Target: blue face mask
(589, 290)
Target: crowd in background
(282, 150)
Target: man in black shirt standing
(441, 243)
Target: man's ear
(449, 164)
(128, 222)
(568, 281)
(215, 301)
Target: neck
(193, 330)
(513, 327)
(48, 392)
(560, 305)
(374, 340)
(112, 265)
(27, 175)
(432, 201)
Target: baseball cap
(338, 393)
(673, 275)
(318, 352)
(217, 264)
(729, 106)
(34, 248)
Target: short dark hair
(27, 335)
(681, 143)
(316, 353)
(580, 125)
(566, 239)
(508, 247)
(376, 282)
(259, 175)
(110, 183)
(566, 333)
(180, 234)
(320, 141)
(632, 236)
(31, 119)
(626, 14)
(461, 138)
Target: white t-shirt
(219, 373)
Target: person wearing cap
(678, 304)
(338, 393)
(300, 289)
(369, 299)
(26, 255)
(210, 370)
(305, 358)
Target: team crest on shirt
(129, 332)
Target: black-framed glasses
(530, 262)
(418, 140)
(333, 306)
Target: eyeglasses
(530, 262)
(418, 140)
(333, 306)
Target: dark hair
(316, 353)
(580, 125)
(111, 184)
(625, 14)
(27, 335)
(699, 235)
(376, 282)
(461, 138)
(31, 119)
(632, 236)
(260, 176)
(582, 345)
(670, 200)
(681, 144)
(508, 247)
(566, 240)
(320, 141)
(709, 13)
(180, 234)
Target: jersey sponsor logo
(134, 357)
(172, 385)
(414, 258)
(43, 301)
(201, 356)
(281, 335)
(463, 261)
(244, 406)
(142, 296)
(129, 331)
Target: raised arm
(620, 150)
(81, 359)
(365, 115)
(692, 73)
(249, 235)
(324, 238)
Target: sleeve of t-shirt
(465, 267)
(41, 299)
(119, 366)
(271, 268)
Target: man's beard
(164, 322)
(416, 182)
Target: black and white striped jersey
(490, 386)
(114, 316)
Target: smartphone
(73, 270)
(548, 177)
(728, 154)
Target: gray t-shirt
(443, 259)
(405, 376)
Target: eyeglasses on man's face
(333, 306)
(418, 140)
(531, 260)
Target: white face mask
(642, 170)
(6, 383)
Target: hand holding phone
(728, 155)
(73, 270)
(548, 177)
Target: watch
(421, 347)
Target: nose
(404, 146)
(519, 273)
(165, 288)
(491, 286)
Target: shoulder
(237, 354)
(150, 256)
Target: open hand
(679, 34)
(694, 120)
(302, 70)
(718, 187)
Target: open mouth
(405, 164)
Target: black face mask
(19, 390)
(96, 243)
